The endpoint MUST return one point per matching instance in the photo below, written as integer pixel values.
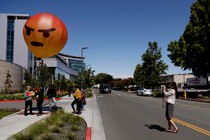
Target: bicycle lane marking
(201, 130)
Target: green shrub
(66, 117)
(59, 122)
(2, 96)
(37, 129)
(64, 93)
(22, 136)
(18, 96)
(45, 136)
(70, 136)
(77, 120)
(157, 93)
(7, 111)
(75, 128)
(54, 129)
(89, 94)
(57, 126)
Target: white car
(144, 91)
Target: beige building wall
(16, 72)
(182, 78)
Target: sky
(117, 32)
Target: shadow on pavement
(45, 109)
(156, 127)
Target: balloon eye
(28, 32)
(46, 34)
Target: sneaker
(74, 112)
(78, 113)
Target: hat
(28, 86)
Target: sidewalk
(14, 123)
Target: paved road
(130, 117)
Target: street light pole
(82, 73)
(82, 52)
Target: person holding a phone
(169, 98)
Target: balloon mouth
(37, 44)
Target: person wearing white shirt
(170, 97)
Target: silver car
(144, 91)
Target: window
(10, 39)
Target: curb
(196, 100)
(88, 133)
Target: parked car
(105, 88)
(144, 91)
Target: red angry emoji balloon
(45, 35)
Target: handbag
(165, 99)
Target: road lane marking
(100, 96)
(201, 130)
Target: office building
(74, 62)
(13, 46)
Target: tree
(89, 77)
(29, 80)
(116, 83)
(85, 78)
(8, 82)
(63, 83)
(103, 78)
(148, 73)
(43, 75)
(121, 83)
(70, 84)
(191, 51)
(138, 75)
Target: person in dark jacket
(70, 91)
(39, 99)
(51, 93)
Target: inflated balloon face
(45, 35)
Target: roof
(71, 56)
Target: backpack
(54, 109)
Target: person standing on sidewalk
(39, 99)
(51, 93)
(77, 100)
(69, 91)
(170, 97)
(28, 100)
(83, 103)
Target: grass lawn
(6, 112)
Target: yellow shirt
(78, 94)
